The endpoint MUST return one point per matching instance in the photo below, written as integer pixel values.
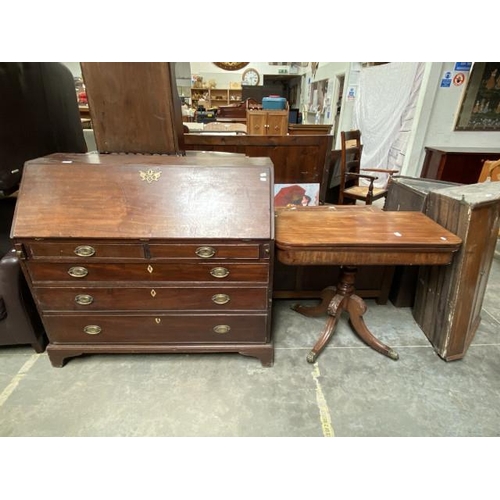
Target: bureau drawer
(164, 329)
(82, 249)
(86, 250)
(204, 251)
(148, 298)
(148, 271)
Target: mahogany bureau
(149, 254)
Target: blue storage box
(273, 102)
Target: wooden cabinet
(267, 122)
(449, 299)
(216, 97)
(137, 254)
(461, 165)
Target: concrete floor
(350, 391)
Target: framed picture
(305, 195)
(318, 96)
(480, 108)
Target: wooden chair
(490, 171)
(350, 173)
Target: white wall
(438, 110)
(222, 77)
(74, 67)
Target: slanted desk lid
(161, 198)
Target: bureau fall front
(149, 254)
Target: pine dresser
(149, 253)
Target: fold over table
(352, 236)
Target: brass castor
(312, 357)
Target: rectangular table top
(361, 235)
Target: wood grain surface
(145, 197)
(361, 236)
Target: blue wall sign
(446, 80)
(463, 66)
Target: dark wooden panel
(461, 165)
(332, 186)
(134, 107)
(296, 159)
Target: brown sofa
(40, 109)
(19, 320)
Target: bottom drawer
(166, 329)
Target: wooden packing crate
(448, 299)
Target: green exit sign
(281, 71)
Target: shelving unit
(216, 97)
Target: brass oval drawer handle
(222, 329)
(221, 298)
(92, 329)
(85, 251)
(84, 299)
(205, 252)
(219, 272)
(78, 272)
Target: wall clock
(250, 77)
(231, 66)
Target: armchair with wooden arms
(350, 173)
